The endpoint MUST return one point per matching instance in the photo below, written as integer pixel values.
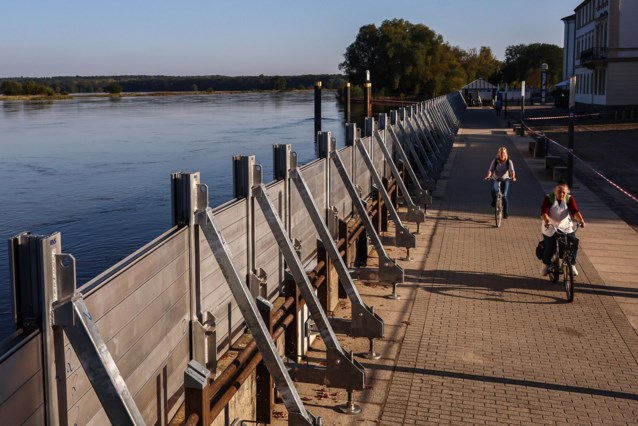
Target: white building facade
(601, 49)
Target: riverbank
(144, 94)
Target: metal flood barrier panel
(169, 302)
(143, 314)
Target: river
(97, 169)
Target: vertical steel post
(351, 133)
(34, 279)
(243, 174)
(570, 130)
(317, 109)
(347, 102)
(522, 102)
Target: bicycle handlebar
(551, 225)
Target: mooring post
(346, 91)
(367, 98)
(317, 109)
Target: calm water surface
(98, 169)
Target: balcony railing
(591, 58)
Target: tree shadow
(487, 286)
(507, 381)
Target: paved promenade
(488, 341)
(478, 336)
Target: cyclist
(501, 171)
(558, 208)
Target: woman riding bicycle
(558, 209)
(501, 171)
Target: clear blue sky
(40, 38)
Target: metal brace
(297, 412)
(70, 313)
(403, 237)
(415, 157)
(422, 195)
(411, 136)
(364, 322)
(415, 214)
(340, 371)
(388, 269)
(258, 283)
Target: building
(478, 92)
(601, 50)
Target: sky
(45, 38)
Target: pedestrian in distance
(501, 171)
(498, 105)
(559, 209)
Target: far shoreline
(81, 95)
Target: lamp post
(570, 131)
(522, 102)
(544, 67)
(505, 101)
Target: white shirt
(559, 217)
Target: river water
(98, 169)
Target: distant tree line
(144, 83)
(16, 88)
(411, 60)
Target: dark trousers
(549, 244)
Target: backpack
(540, 247)
(509, 165)
(552, 198)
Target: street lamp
(570, 131)
(544, 67)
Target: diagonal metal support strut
(297, 412)
(422, 195)
(415, 214)
(365, 323)
(388, 269)
(404, 237)
(341, 371)
(98, 363)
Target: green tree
(114, 88)
(11, 88)
(408, 59)
(361, 54)
(279, 83)
(523, 62)
(481, 64)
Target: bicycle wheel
(554, 270)
(568, 280)
(498, 210)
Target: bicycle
(561, 263)
(498, 206)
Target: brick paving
(488, 341)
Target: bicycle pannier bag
(539, 250)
